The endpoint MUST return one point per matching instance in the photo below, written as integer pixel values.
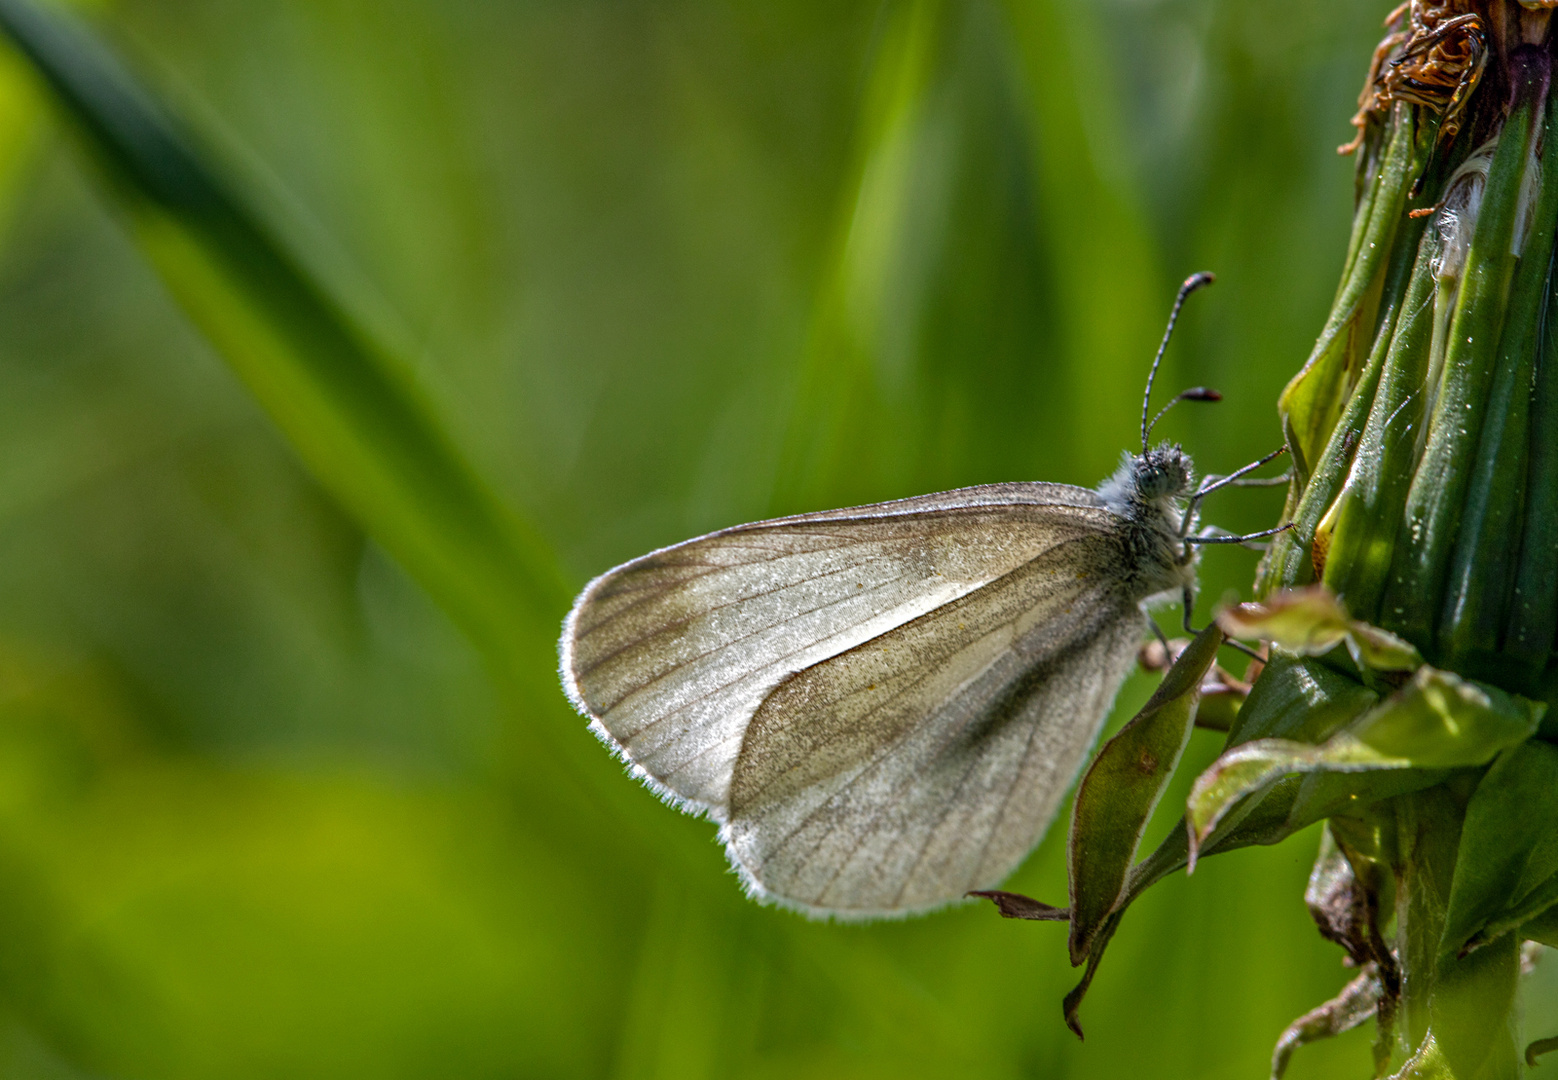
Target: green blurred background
(663, 267)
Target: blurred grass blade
(349, 408)
(859, 348)
(1104, 267)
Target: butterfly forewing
(896, 655)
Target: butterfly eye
(1160, 474)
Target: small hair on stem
(1192, 283)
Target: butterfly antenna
(1192, 283)
(1195, 393)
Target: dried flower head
(1434, 56)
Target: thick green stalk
(1482, 569)
(1461, 1003)
(1320, 400)
(1361, 526)
(1533, 619)
(1315, 397)
(1414, 595)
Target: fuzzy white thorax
(1149, 492)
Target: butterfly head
(1161, 473)
(1149, 488)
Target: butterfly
(882, 707)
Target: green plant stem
(1483, 567)
(1362, 530)
(1414, 595)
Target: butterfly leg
(1257, 481)
(1246, 650)
(1222, 536)
(1188, 600)
(1209, 485)
(1236, 478)
(1230, 538)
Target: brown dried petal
(1017, 906)
(1355, 1005)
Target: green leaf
(1322, 795)
(1294, 696)
(1471, 1008)
(1073, 1000)
(1440, 721)
(1513, 810)
(1256, 766)
(350, 409)
(1312, 622)
(1123, 786)
(1436, 721)
(1542, 927)
(1298, 697)
(1426, 1063)
(1269, 819)
(1308, 622)
(1533, 911)
(1304, 700)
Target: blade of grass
(350, 409)
(836, 435)
(1103, 263)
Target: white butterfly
(883, 706)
